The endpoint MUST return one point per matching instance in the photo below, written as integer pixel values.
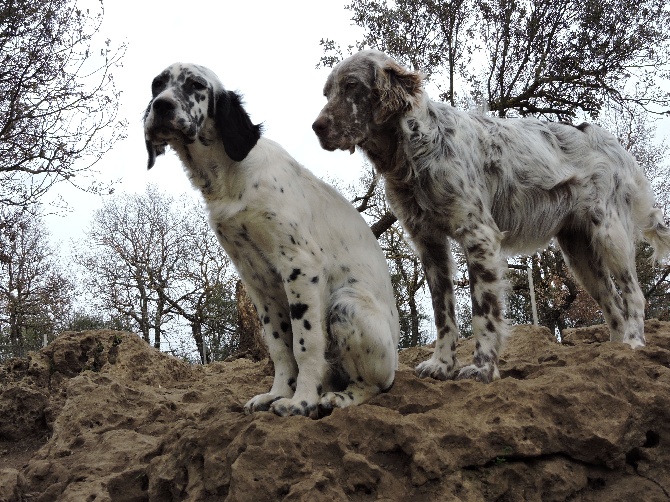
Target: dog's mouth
(344, 143)
(158, 138)
(164, 133)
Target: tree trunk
(196, 331)
(249, 329)
(414, 319)
(158, 321)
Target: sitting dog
(495, 186)
(310, 263)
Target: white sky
(265, 49)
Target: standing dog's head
(365, 90)
(190, 105)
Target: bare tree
(555, 58)
(58, 103)
(153, 260)
(561, 58)
(201, 286)
(36, 294)
(130, 248)
(428, 36)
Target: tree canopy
(58, 102)
(36, 293)
(558, 58)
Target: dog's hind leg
(588, 265)
(366, 346)
(615, 243)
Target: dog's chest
(417, 203)
(249, 240)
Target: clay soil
(101, 416)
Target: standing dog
(310, 263)
(495, 185)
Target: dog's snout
(320, 125)
(163, 106)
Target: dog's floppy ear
(396, 90)
(152, 150)
(237, 132)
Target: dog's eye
(157, 85)
(197, 85)
(352, 84)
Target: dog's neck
(210, 170)
(383, 148)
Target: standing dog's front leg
(303, 290)
(435, 255)
(485, 268)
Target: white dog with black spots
(496, 186)
(310, 263)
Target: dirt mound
(101, 416)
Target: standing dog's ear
(152, 150)
(396, 90)
(237, 132)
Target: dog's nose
(320, 125)
(163, 106)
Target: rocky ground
(100, 415)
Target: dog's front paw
(261, 402)
(486, 373)
(436, 369)
(292, 407)
(331, 400)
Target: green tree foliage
(36, 294)
(220, 312)
(58, 103)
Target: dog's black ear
(238, 133)
(152, 154)
(152, 150)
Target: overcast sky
(265, 49)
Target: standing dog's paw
(485, 374)
(436, 369)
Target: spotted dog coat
(310, 263)
(495, 186)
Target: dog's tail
(650, 219)
(657, 233)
